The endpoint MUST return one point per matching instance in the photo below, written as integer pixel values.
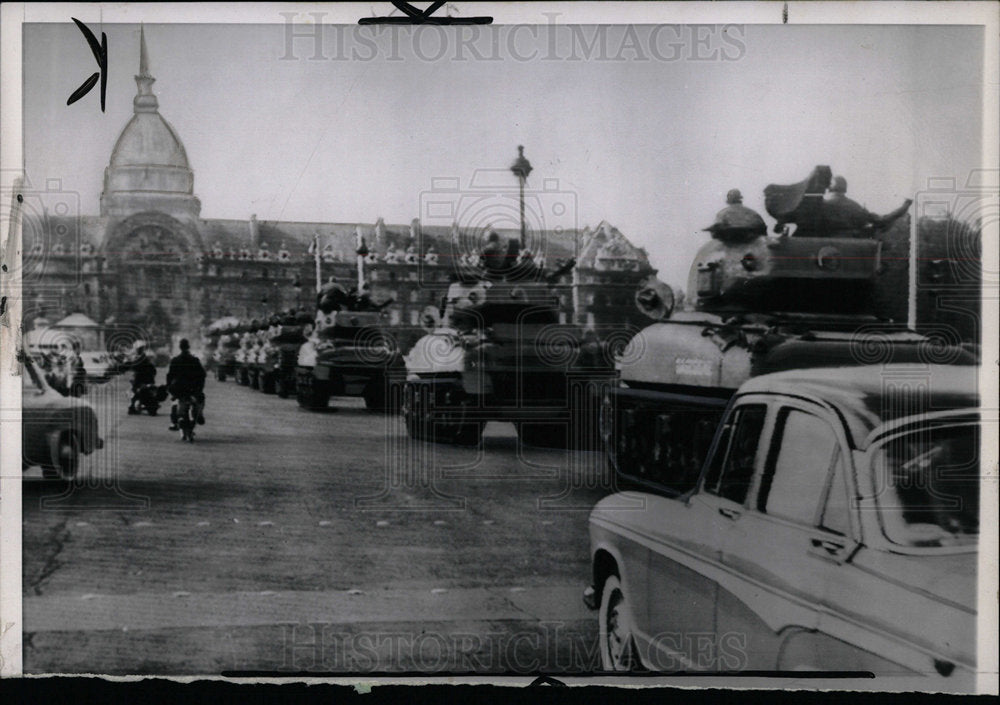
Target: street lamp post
(521, 168)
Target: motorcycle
(148, 398)
(184, 414)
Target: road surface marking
(203, 523)
(325, 523)
(382, 522)
(265, 523)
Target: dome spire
(143, 54)
(145, 101)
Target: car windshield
(928, 486)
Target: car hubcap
(619, 639)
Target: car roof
(870, 396)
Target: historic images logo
(49, 225)
(307, 37)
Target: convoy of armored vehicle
(723, 407)
(765, 404)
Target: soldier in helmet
(493, 252)
(736, 222)
(843, 216)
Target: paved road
(284, 540)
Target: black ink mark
(101, 56)
(784, 14)
(417, 16)
(3, 302)
(546, 680)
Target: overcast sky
(646, 127)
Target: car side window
(797, 474)
(836, 509)
(731, 471)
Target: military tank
(495, 350)
(350, 352)
(244, 353)
(225, 355)
(756, 303)
(277, 355)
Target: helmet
(734, 196)
(839, 184)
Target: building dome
(148, 140)
(149, 168)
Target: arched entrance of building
(152, 264)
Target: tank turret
(756, 303)
(823, 260)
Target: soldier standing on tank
(493, 252)
(843, 216)
(736, 222)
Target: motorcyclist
(143, 373)
(186, 380)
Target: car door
(791, 539)
(685, 565)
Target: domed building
(151, 264)
(149, 166)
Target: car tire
(615, 629)
(220, 374)
(416, 410)
(543, 435)
(376, 394)
(69, 455)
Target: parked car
(833, 527)
(55, 429)
(98, 366)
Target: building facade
(150, 262)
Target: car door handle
(730, 513)
(831, 547)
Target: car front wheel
(68, 459)
(615, 626)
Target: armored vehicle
(245, 353)
(275, 364)
(756, 304)
(349, 353)
(225, 355)
(218, 346)
(496, 351)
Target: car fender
(599, 546)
